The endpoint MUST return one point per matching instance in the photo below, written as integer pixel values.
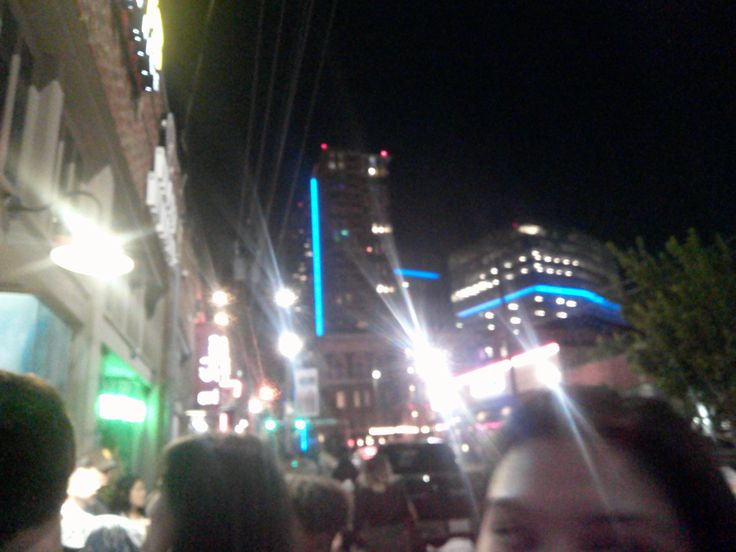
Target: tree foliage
(682, 307)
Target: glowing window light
(538, 298)
(515, 320)
(550, 271)
(576, 263)
(562, 314)
(223, 422)
(509, 276)
(530, 229)
(496, 282)
(571, 303)
(489, 316)
(491, 327)
(568, 273)
(507, 264)
(372, 171)
(525, 270)
(121, 408)
(543, 290)
(565, 261)
(547, 259)
(494, 270)
(319, 322)
(420, 274)
(522, 259)
(513, 306)
(539, 312)
(560, 301)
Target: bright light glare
(241, 426)
(270, 425)
(548, 374)
(376, 374)
(220, 298)
(267, 393)
(255, 405)
(221, 319)
(121, 408)
(433, 366)
(530, 229)
(290, 344)
(285, 298)
(199, 424)
(97, 256)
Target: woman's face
(160, 535)
(544, 497)
(137, 495)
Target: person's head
(129, 495)
(377, 470)
(222, 493)
(585, 469)
(321, 507)
(36, 454)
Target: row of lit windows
(360, 400)
(485, 284)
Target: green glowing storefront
(127, 409)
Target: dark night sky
(616, 118)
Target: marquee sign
(144, 37)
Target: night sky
(615, 118)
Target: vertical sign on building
(306, 392)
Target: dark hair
(120, 500)
(36, 453)
(226, 493)
(650, 433)
(321, 505)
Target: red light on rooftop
(384, 153)
(323, 146)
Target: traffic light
(302, 427)
(300, 424)
(270, 424)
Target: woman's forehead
(562, 476)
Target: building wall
(77, 123)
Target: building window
(357, 403)
(340, 400)
(18, 85)
(367, 398)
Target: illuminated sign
(213, 370)
(142, 20)
(319, 322)
(161, 195)
(420, 274)
(121, 408)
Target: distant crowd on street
(571, 469)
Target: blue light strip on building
(420, 274)
(542, 289)
(319, 319)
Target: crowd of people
(576, 469)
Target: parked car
(437, 488)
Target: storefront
(33, 339)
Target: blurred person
(322, 510)
(585, 469)
(384, 516)
(36, 459)
(129, 498)
(222, 493)
(110, 539)
(345, 471)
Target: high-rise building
(348, 202)
(522, 286)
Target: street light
(267, 393)
(290, 344)
(220, 298)
(285, 298)
(376, 374)
(222, 319)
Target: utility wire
(251, 116)
(197, 75)
(287, 115)
(307, 125)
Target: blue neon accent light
(420, 274)
(319, 318)
(542, 289)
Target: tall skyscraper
(349, 221)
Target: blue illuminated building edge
(542, 289)
(420, 274)
(319, 319)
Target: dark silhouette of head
(225, 493)
(36, 453)
(321, 507)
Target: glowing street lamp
(290, 344)
(285, 298)
(222, 319)
(220, 298)
(267, 393)
(376, 374)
